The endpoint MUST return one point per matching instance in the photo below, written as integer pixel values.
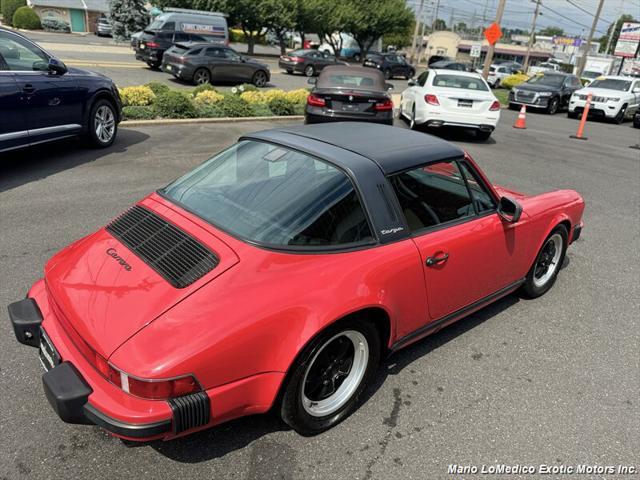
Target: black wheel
(154, 65)
(387, 74)
(410, 74)
(103, 127)
(552, 108)
(513, 106)
(572, 115)
(259, 79)
(619, 118)
(201, 76)
(290, 72)
(309, 71)
(547, 264)
(497, 84)
(483, 134)
(328, 377)
(356, 57)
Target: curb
(187, 121)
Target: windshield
(459, 81)
(547, 80)
(275, 196)
(611, 84)
(587, 74)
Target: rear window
(274, 196)
(459, 81)
(370, 81)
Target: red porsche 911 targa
(276, 276)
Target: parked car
(200, 63)
(349, 47)
(447, 98)
(103, 27)
(543, 68)
(439, 58)
(152, 45)
(550, 91)
(613, 98)
(497, 73)
(449, 65)
(351, 240)
(514, 66)
(42, 100)
(135, 39)
(589, 76)
(307, 61)
(349, 93)
(390, 64)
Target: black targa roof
(339, 76)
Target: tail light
(495, 106)
(315, 101)
(152, 44)
(384, 106)
(431, 99)
(296, 59)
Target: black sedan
(309, 62)
(390, 64)
(151, 45)
(200, 63)
(550, 91)
(349, 93)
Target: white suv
(615, 98)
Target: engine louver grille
(179, 258)
(190, 411)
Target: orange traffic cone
(521, 122)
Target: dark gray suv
(200, 63)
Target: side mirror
(57, 67)
(312, 80)
(509, 210)
(388, 86)
(411, 82)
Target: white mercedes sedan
(451, 98)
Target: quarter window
(432, 195)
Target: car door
(634, 104)
(239, 69)
(409, 95)
(13, 125)
(468, 253)
(218, 64)
(53, 103)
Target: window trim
(296, 249)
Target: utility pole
(492, 48)
(531, 36)
(415, 31)
(452, 25)
(613, 29)
(434, 27)
(583, 59)
(419, 50)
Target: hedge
(27, 19)
(55, 25)
(513, 80)
(9, 8)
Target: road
(553, 380)
(102, 55)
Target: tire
(410, 74)
(483, 135)
(356, 57)
(309, 71)
(102, 127)
(412, 120)
(154, 66)
(259, 79)
(573, 115)
(387, 74)
(290, 72)
(619, 118)
(513, 106)
(496, 84)
(305, 405)
(541, 278)
(553, 106)
(201, 76)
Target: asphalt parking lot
(547, 381)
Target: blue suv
(42, 100)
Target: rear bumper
(386, 119)
(149, 56)
(480, 121)
(181, 71)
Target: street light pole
(531, 36)
(583, 59)
(415, 31)
(492, 48)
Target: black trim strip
(122, 428)
(430, 327)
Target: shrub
(26, 18)
(205, 87)
(9, 8)
(298, 96)
(513, 80)
(173, 104)
(210, 111)
(208, 97)
(252, 97)
(281, 106)
(55, 25)
(137, 96)
(242, 88)
(138, 113)
(234, 106)
(157, 88)
(261, 110)
(274, 93)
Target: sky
(578, 14)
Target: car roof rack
(193, 12)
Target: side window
(432, 195)
(20, 55)
(195, 52)
(422, 79)
(482, 199)
(180, 37)
(169, 26)
(214, 52)
(231, 54)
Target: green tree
(9, 7)
(280, 18)
(329, 20)
(614, 29)
(551, 32)
(461, 27)
(439, 24)
(399, 39)
(127, 17)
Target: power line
(568, 19)
(571, 2)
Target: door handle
(28, 88)
(432, 261)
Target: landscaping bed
(158, 101)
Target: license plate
(142, 46)
(350, 108)
(465, 103)
(49, 356)
(371, 64)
